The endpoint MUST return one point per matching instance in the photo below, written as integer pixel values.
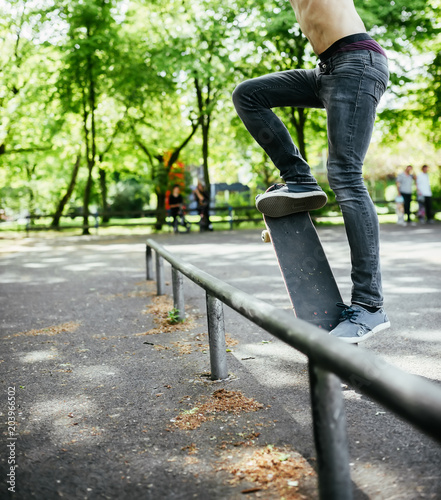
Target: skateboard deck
(308, 277)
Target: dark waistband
(339, 44)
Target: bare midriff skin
(323, 22)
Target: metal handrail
(411, 397)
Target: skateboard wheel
(266, 236)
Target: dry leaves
(71, 326)
(273, 468)
(220, 401)
(191, 449)
(183, 348)
(159, 308)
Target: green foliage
(173, 317)
(242, 199)
(128, 196)
(125, 83)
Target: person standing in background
(424, 190)
(405, 186)
(175, 201)
(202, 199)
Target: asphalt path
(90, 423)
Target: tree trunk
(204, 106)
(205, 138)
(31, 199)
(161, 213)
(103, 175)
(86, 200)
(103, 185)
(90, 105)
(161, 189)
(58, 212)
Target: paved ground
(99, 392)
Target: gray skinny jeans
(349, 86)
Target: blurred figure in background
(203, 201)
(425, 192)
(405, 186)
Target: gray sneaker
(357, 324)
(282, 200)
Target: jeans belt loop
(371, 55)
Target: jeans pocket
(380, 89)
(382, 76)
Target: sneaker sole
(357, 340)
(282, 204)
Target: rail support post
(159, 275)
(149, 262)
(216, 338)
(178, 293)
(330, 436)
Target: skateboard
(308, 277)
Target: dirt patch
(184, 348)
(69, 327)
(220, 401)
(274, 469)
(160, 309)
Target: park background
(105, 104)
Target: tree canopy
(98, 94)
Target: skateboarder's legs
(349, 85)
(254, 100)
